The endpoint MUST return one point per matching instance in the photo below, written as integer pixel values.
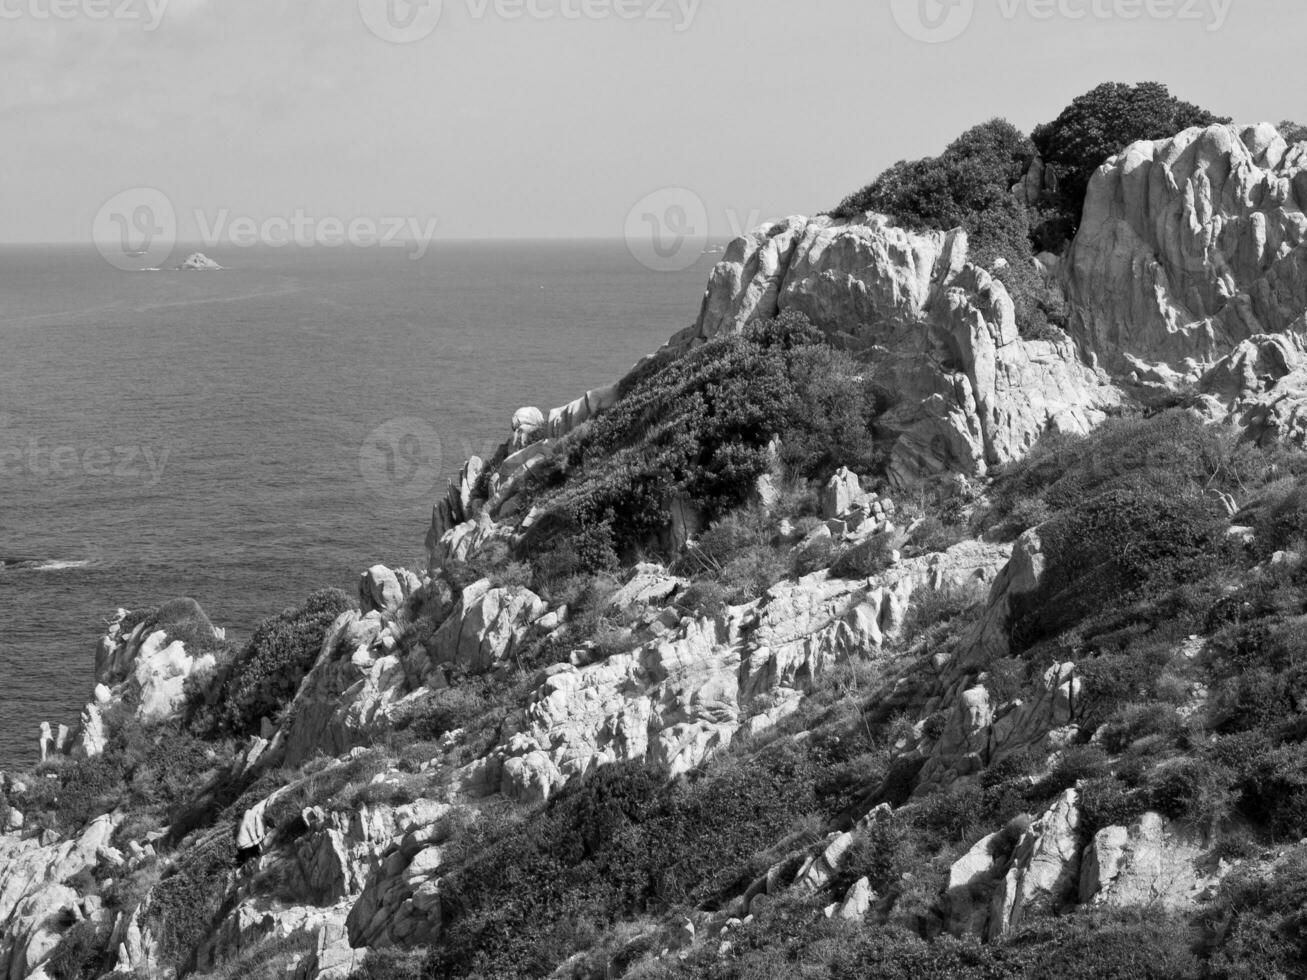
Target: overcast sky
(506, 118)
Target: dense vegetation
(1190, 642)
(970, 185)
(700, 428)
(261, 680)
(1098, 125)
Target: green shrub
(867, 558)
(184, 905)
(1190, 788)
(1108, 802)
(270, 959)
(1282, 524)
(967, 186)
(1100, 124)
(621, 842)
(266, 675)
(1259, 922)
(82, 953)
(391, 964)
(700, 428)
(1113, 545)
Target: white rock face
(674, 699)
(1189, 246)
(488, 627)
(942, 335)
(1045, 869)
(1152, 861)
(36, 908)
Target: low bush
(184, 905)
(264, 677)
(391, 964)
(701, 428)
(81, 953)
(621, 842)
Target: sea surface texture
(248, 436)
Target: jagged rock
(380, 591)
(857, 901)
(527, 422)
(462, 541)
(199, 262)
(1045, 868)
(1261, 386)
(1190, 245)
(488, 627)
(1153, 863)
(566, 419)
(970, 392)
(646, 585)
(970, 885)
(841, 494)
(675, 699)
(457, 508)
(347, 693)
(36, 908)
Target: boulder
(842, 493)
(380, 591)
(527, 423)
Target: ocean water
(246, 437)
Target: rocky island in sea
(933, 605)
(199, 262)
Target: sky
(562, 118)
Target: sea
(246, 437)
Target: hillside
(933, 606)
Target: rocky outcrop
(969, 392)
(1190, 246)
(701, 680)
(1262, 387)
(1151, 862)
(199, 262)
(487, 628)
(1044, 872)
(357, 681)
(37, 905)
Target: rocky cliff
(338, 836)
